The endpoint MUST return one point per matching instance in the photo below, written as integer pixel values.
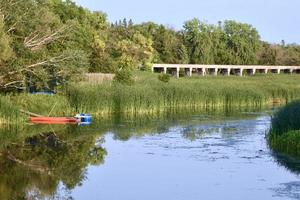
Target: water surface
(190, 157)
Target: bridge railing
(222, 69)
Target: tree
(5, 49)
(167, 43)
(243, 42)
(267, 54)
(41, 46)
(228, 43)
(124, 74)
(198, 39)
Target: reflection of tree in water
(289, 163)
(36, 166)
(125, 128)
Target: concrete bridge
(227, 70)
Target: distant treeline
(42, 40)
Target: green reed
(284, 136)
(150, 96)
(9, 113)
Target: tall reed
(9, 113)
(284, 136)
(149, 95)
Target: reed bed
(284, 136)
(151, 96)
(11, 107)
(9, 113)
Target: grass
(288, 143)
(149, 96)
(284, 136)
(8, 111)
(11, 106)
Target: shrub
(164, 78)
(124, 77)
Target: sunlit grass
(149, 95)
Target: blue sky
(275, 20)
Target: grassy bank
(149, 96)
(284, 136)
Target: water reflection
(49, 162)
(37, 165)
(289, 163)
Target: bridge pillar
(165, 70)
(190, 73)
(228, 71)
(216, 72)
(203, 71)
(177, 72)
(266, 71)
(241, 72)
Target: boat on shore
(81, 119)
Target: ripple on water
(288, 190)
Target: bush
(124, 77)
(146, 67)
(164, 78)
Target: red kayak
(54, 120)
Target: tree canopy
(44, 40)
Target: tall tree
(198, 39)
(243, 42)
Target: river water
(180, 158)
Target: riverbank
(284, 136)
(150, 96)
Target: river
(196, 156)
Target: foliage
(164, 78)
(124, 76)
(284, 136)
(5, 49)
(286, 119)
(9, 113)
(288, 143)
(39, 163)
(231, 43)
(47, 41)
(43, 47)
(149, 96)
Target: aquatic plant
(150, 96)
(284, 136)
(9, 113)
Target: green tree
(243, 42)
(198, 39)
(41, 45)
(267, 54)
(5, 49)
(167, 43)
